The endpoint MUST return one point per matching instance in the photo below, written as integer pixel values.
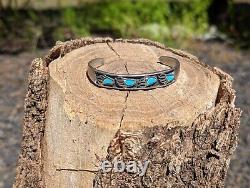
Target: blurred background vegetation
(31, 24)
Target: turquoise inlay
(129, 82)
(170, 76)
(151, 80)
(108, 81)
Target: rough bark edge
(195, 156)
(29, 170)
(30, 166)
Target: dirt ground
(13, 82)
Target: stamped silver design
(144, 81)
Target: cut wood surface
(187, 130)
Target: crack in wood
(111, 47)
(126, 68)
(76, 170)
(124, 109)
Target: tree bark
(187, 131)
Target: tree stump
(187, 131)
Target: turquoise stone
(170, 76)
(151, 80)
(108, 81)
(129, 82)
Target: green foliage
(155, 19)
(70, 25)
(15, 25)
(161, 20)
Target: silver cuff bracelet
(143, 81)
